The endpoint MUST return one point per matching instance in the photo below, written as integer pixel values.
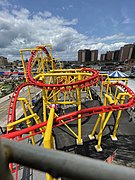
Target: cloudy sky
(69, 25)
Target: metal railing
(58, 164)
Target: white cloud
(4, 3)
(127, 19)
(19, 29)
(103, 47)
(115, 23)
(45, 14)
(119, 36)
(22, 14)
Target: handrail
(62, 164)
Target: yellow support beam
(48, 139)
(79, 140)
(48, 132)
(36, 117)
(69, 129)
(10, 126)
(91, 136)
(28, 122)
(113, 137)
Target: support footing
(91, 137)
(79, 143)
(98, 149)
(114, 138)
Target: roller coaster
(63, 87)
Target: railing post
(4, 169)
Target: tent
(118, 74)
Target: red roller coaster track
(70, 116)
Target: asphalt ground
(124, 146)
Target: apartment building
(127, 52)
(3, 61)
(87, 55)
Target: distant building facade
(116, 55)
(83, 55)
(87, 55)
(126, 53)
(3, 61)
(133, 53)
(109, 55)
(80, 56)
(94, 55)
(102, 57)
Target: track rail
(82, 83)
(32, 82)
(89, 81)
(74, 115)
(13, 100)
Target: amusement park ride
(64, 87)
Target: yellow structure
(65, 87)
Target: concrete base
(113, 138)
(91, 137)
(79, 143)
(98, 149)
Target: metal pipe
(4, 169)
(11, 125)
(48, 132)
(61, 164)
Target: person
(57, 108)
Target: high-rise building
(126, 52)
(102, 57)
(121, 54)
(94, 55)
(133, 53)
(109, 55)
(3, 61)
(80, 56)
(116, 55)
(113, 53)
(87, 55)
(84, 55)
